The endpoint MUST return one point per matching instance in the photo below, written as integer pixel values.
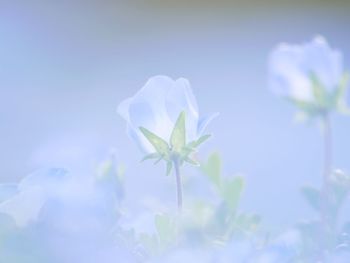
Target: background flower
(29, 196)
(294, 68)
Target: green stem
(178, 184)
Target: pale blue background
(64, 67)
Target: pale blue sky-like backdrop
(66, 65)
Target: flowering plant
(310, 75)
(162, 118)
(58, 215)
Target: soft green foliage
(231, 190)
(163, 239)
(337, 190)
(325, 234)
(341, 95)
(166, 229)
(226, 220)
(204, 223)
(212, 168)
(325, 100)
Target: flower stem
(327, 149)
(327, 169)
(178, 184)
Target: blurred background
(66, 65)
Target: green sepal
(198, 142)
(178, 135)
(325, 100)
(151, 156)
(191, 161)
(321, 95)
(158, 143)
(159, 159)
(309, 108)
(177, 148)
(186, 151)
(169, 167)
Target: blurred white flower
(52, 194)
(293, 67)
(157, 106)
(25, 203)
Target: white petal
(138, 115)
(25, 206)
(147, 109)
(157, 106)
(291, 67)
(180, 98)
(325, 63)
(203, 123)
(32, 192)
(140, 140)
(123, 109)
(286, 75)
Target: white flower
(53, 195)
(157, 106)
(292, 66)
(29, 196)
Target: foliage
(204, 224)
(325, 234)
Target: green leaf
(340, 96)
(212, 168)
(165, 228)
(232, 189)
(313, 196)
(178, 135)
(339, 187)
(169, 167)
(151, 156)
(158, 143)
